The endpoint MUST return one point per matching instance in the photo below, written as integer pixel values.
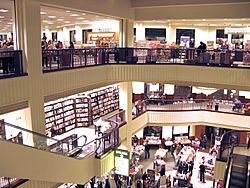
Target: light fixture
(66, 21)
(42, 13)
(50, 23)
(183, 20)
(83, 14)
(225, 19)
(74, 15)
(203, 19)
(3, 10)
(243, 18)
(60, 19)
(81, 18)
(51, 16)
(9, 23)
(67, 11)
(45, 21)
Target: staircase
(238, 175)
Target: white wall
(17, 118)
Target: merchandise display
(104, 101)
(67, 114)
(78, 111)
(103, 39)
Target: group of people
(7, 44)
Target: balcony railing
(61, 59)
(72, 146)
(8, 182)
(187, 105)
(11, 63)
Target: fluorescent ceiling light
(67, 10)
(225, 19)
(50, 23)
(243, 18)
(83, 14)
(42, 13)
(66, 21)
(81, 18)
(52, 16)
(74, 15)
(45, 21)
(60, 19)
(3, 10)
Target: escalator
(238, 174)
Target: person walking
(248, 143)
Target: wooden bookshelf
(67, 114)
(104, 101)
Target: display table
(139, 150)
(161, 153)
(187, 153)
(183, 140)
(136, 171)
(153, 140)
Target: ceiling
(55, 18)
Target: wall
(39, 184)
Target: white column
(28, 31)
(126, 33)
(125, 95)
(192, 130)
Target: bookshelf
(104, 101)
(67, 114)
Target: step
(238, 175)
(237, 182)
(239, 169)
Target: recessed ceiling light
(52, 16)
(9, 23)
(60, 19)
(225, 19)
(203, 19)
(45, 21)
(50, 23)
(243, 18)
(67, 10)
(3, 10)
(83, 14)
(97, 16)
(183, 20)
(66, 21)
(80, 18)
(42, 13)
(74, 15)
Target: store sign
(237, 30)
(102, 30)
(122, 162)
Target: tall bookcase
(104, 101)
(67, 114)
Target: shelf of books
(104, 101)
(67, 114)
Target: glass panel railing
(11, 63)
(69, 146)
(72, 146)
(118, 118)
(61, 59)
(7, 182)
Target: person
(202, 172)
(135, 140)
(147, 150)
(191, 167)
(138, 184)
(129, 181)
(202, 48)
(53, 130)
(204, 141)
(107, 183)
(248, 143)
(237, 105)
(163, 170)
(71, 45)
(185, 167)
(44, 45)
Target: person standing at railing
(202, 48)
(44, 45)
